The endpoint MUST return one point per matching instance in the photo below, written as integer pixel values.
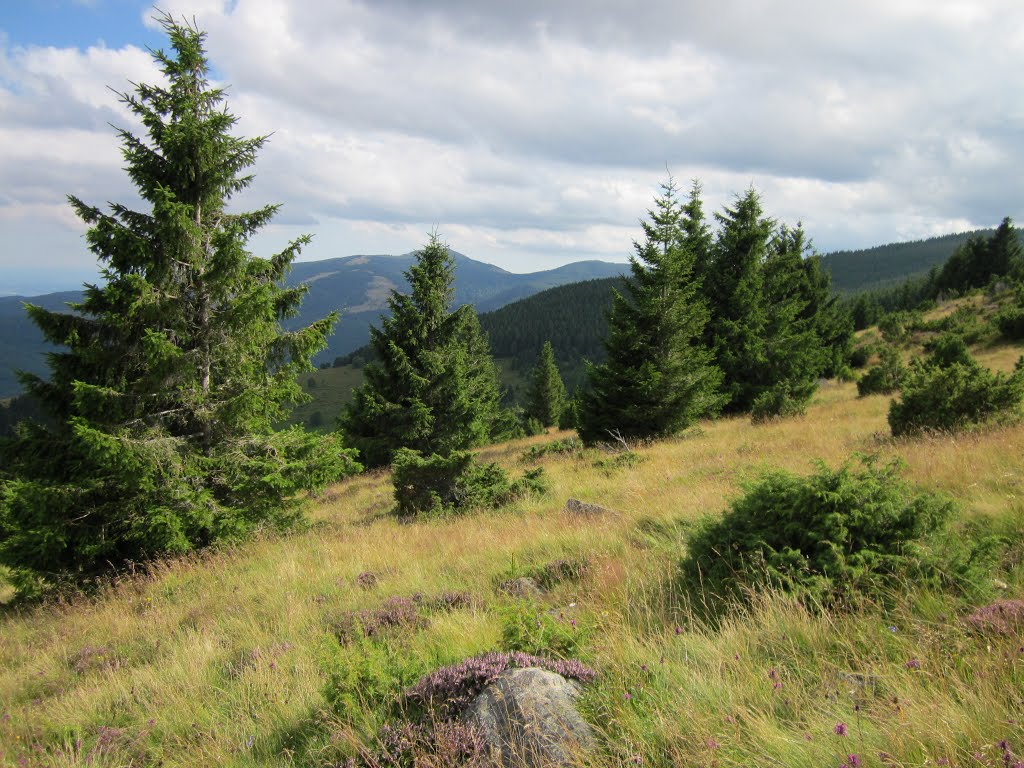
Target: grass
(224, 658)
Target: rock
(528, 717)
(577, 507)
(524, 587)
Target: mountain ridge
(356, 286)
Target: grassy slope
(220, 660)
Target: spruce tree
(545, 399)
(794, 356)
(735, 289)
(658, 377)
(174, 367)
(697, 234)
(433, 387)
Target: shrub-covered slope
(249, 656)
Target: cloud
(534, 133)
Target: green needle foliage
(659, 377)
(735, 291)
(174, 368)
(828, 537)
(884, 378)
(949, 391)
(433, 387)
(775, 326)
(545, 400)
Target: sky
(533, 133)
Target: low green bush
(530, 628)
(569, 446)
(859, 356)
(884, 378)
(779, 402)
(1010, 320)
(896, 327)
(444, 484)
(948, 349)
(831, 537)
(966, 322)
(947, 392)
(367, 680)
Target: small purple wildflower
(712, 743)
(627, 697)
(777, 686)
(892, 628)
(913, 664)
(853, 761)
(679, 630)
(840, 729)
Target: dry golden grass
(221, 659)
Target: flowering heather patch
(399, 612)
(395, 612)
(448, 690)
(1003, 617)
(90, 658)
(367, 580)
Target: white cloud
(534, 133)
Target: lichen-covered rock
(524, 587)
(577, 507)
(528, 717)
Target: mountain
(356, 286)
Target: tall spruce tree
(658, 377)
(736, 296)
(794, 357)
(433, 387)
(545, 399)
(174, 368)
(697, 234)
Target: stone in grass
(524, 588)
(577, 507)
(528, 717)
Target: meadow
(238, 657)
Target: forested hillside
(871, 268)
(573, 317)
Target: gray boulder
(524, 587)
(528, 718)
(577, 507)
